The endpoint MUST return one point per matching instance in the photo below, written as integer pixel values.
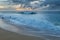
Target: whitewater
(29, 24)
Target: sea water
(39, 24)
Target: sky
(55, 2)
(3, 0)
(36, 3)
(46, 1)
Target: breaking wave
(32, 25)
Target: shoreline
(7, 35)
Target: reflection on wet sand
(6, 35)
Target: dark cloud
(52, 2)
(22, 1)
(55, 2)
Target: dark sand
(5, 35)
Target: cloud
(54, 2)
(37, 3)
(34, 3)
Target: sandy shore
(6, 35)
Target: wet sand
(7, 35)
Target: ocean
(38, 24)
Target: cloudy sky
(36, 3)
(55, 2)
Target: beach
(7, 35)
